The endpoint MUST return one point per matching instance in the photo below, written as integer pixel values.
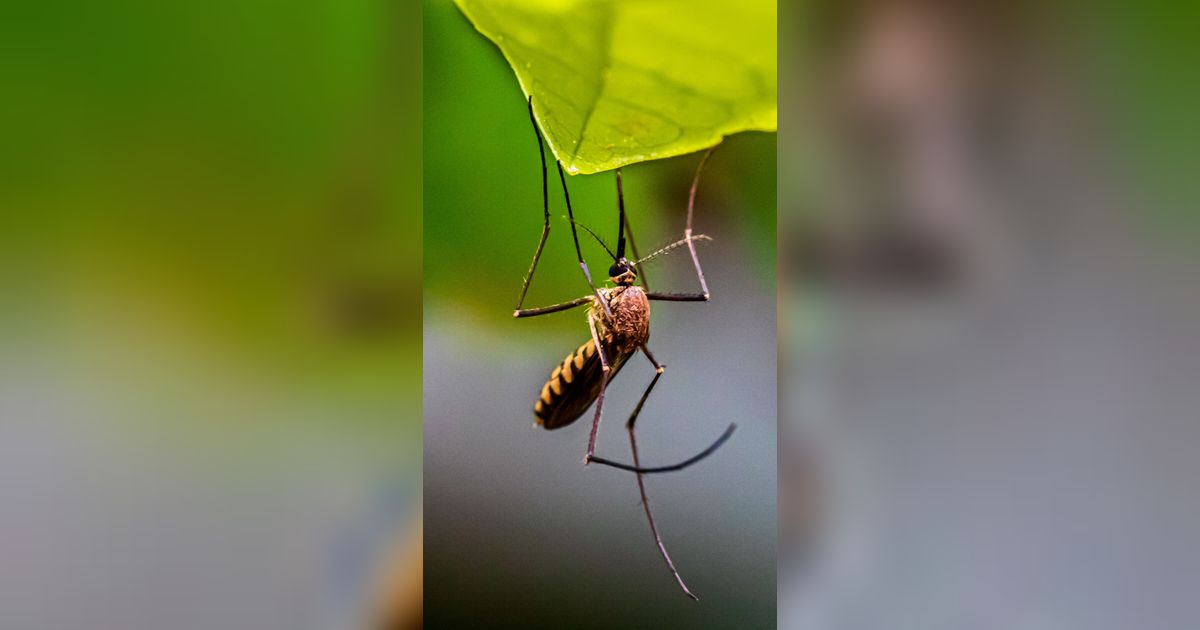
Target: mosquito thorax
(621, 273)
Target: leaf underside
(616, 82)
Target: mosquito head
(622, 272)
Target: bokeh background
(518, 533)
(209, 311)
(989, 310)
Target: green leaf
(616, 82)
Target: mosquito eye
(615, 271)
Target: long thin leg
(678, 297)
(620, 218)
(553, 308)
(641, 269)
(658, 372)
(687, 232)
(687, 236)
(629, 233)
(604, 370)
(579, 253)
(637, 467)
(629, 425)
(537, 254)
(712, 448)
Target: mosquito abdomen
(561, 380)
(573, 386)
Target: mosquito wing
(574, 385)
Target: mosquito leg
(647, 470)
(658, 372)
(687, 232)
(678, 297)
(629, 232)
(662, 549)
(537, 254)
(578, 253)
(641, 269)
(604, 370)
(690, 239)
(553, 308)
(637, 467)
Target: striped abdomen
(574, 385)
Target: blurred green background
(518, 533)
(209, 261)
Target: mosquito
(619, 321)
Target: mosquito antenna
(598, 239)
(680, 243)
(621, 220)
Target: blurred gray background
(990, 408)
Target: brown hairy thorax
(629, 326)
